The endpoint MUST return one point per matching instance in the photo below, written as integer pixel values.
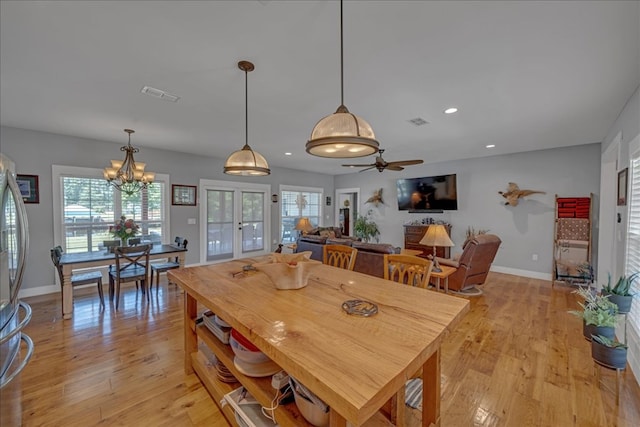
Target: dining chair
(80, 278)
(341, 256)
(407, 269)
(132, 265)
(163, 267)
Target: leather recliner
(474, 263)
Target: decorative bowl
(288, 271)
(245, 350)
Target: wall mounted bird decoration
(514, 193)
(376, 199)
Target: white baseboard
(523, 273)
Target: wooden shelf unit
(286, 415)
(570, 208)
(414, 233)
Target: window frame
(299, 189)
(59, 171)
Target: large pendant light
(342, 134)
(246, 162)
(128, 176)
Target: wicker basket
(288, 271)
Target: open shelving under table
(357, 365)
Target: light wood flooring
(517, 359)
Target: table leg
(446, 285)
(336, 420)
(431, 390)
(190, 337)
(398, 407)
(438, 284)
(181, 259)
(67, 292)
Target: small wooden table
(444, 274)
(413, 252)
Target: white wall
(525, 230)
(35, 152)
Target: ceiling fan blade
(370, 167)
(394, 167)
(407, 162)
(359, 166)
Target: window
(85, 206)
(297, 202)
(633, 235)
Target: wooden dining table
(357, 365)
(77, 260)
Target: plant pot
(611, 357)
(623, 302)
(606, 331)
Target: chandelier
(342, 134)
(128, 175)
(245, 161)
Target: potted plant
(599, 315)
(609, 352)
(366, 228)
(620, 293)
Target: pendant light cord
(246, 109)
(341, 59)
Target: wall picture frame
(623, 180)
(29, 188)
(184, 195)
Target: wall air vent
(160, 94)
(418, 121)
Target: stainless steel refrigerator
(14, 314)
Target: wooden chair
(80, 278)
(341, 256)
(132, 265)
(407, 269)
(163, 267)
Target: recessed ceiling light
(288, 154)
(491, 146)
(451, 110)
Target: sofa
(370, 258)
(473, 264)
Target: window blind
(633, 237)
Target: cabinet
(572, 242)
(414, 233)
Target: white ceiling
(525, 75)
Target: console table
(357, 365)
(414, 233)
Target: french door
(234, 220)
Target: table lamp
(436, 235)
(303, 225)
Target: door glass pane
(252, 222)
(219, 224)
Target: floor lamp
(436, 235)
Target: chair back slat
(340, 256)
(56, 254)
(132, 258)
(407, 269)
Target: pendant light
(342, 134)
(128, 175)
(246, 162)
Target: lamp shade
(304, 225)
(436, 235)
(246, 162)
(342, 135)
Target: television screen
(433, 193)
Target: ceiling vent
(160, 94)
(418, 121)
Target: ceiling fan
(381, 164)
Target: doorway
(347, 200)
(607, 226)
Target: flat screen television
(428, 194)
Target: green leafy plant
(623, 286)
(597, 309)
(608, 342)
(366, 228)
